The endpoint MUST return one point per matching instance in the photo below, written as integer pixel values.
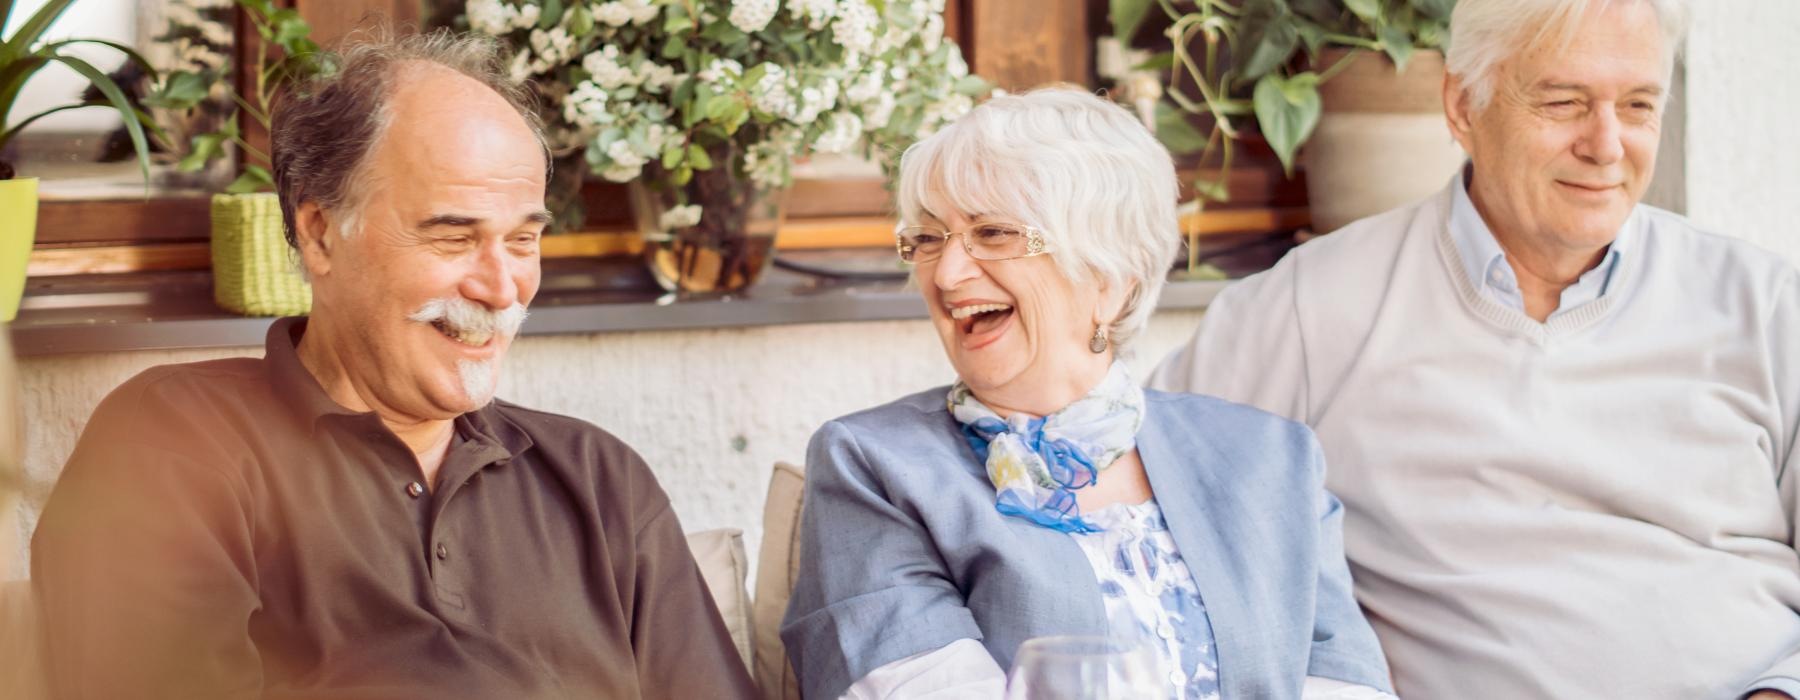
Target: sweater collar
(1485, 263)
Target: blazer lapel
(1185, 472)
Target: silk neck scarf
(1036, 464)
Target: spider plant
(26, 52)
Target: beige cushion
(720, 554)
(21, 663)
(776, 568)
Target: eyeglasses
(923, 244)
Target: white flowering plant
(663, 91)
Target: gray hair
(326, 127)
(1484, 33)
(1082, 169)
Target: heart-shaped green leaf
(1366, 10)
(1275, 43)
(1398, 45)
(1127, 15)
(1287, 110)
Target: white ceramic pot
(1382, 141)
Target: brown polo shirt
(224, 529)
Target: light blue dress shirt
(1486, 263)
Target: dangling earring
(1098, 343)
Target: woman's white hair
(1082, 169)
(1485, 33)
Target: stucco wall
(710, 410)
(1743, 147)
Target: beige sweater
(1598, 507)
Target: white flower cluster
(933, 35)
(817, 13)
(628, 159)
(187, 14)
(770, 94)
(854, 77)
(843, 131)
(619, 13)
(815, 100)
(550, 48)
(586, 106)
(495, 18)
(752, 15)
(605, 68)
(767, 161)
(855, 26)
(949, 110)
(680, 217)
(722, 73)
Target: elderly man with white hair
(1563, 424)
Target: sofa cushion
(720, 554)
(776, 567)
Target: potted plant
(22, 55)
(1359, 78)
(254, 271)
(702, 105)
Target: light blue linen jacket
(902, 551)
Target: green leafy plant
(297, 58)
(26, 52)
(1258, 61)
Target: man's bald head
(325, 131)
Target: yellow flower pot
(254, 272)
(18, 228)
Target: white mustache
(468, 318)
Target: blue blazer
(902, 551)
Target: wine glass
(1086, 668)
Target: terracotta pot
(1382, 141)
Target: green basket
(254, 272)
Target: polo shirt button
(1165, 630)
(1177, 679)
(443, 551)
(415, 489)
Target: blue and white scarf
(1036, 464)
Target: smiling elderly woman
(1045, 493)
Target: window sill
(174, 310)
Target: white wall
(1743, 147)
(113, 20)
(710, 410)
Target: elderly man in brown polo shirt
(353, 515)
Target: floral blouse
(1149, 591)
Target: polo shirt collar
(298, 389)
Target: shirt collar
(1485, 262)
(307, 401)
(296, 387)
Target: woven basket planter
(254, 272)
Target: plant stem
(254, 152)
(1356, 41)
